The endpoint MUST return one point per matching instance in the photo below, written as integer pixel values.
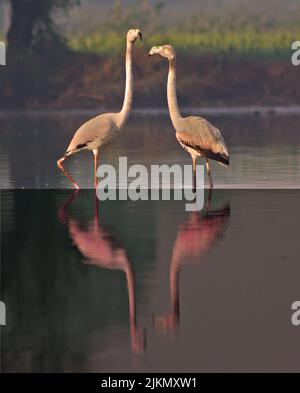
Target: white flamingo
(100, 130)
(195, 134)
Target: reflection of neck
(131, 294)
(171, 93)
(129, 87)
(174, 289)
(132, 309)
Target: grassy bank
(242, 44)
(207, 80)
(229, 68)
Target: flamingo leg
(209, 173)
(96, 155)
(194, 173)
(60, 166)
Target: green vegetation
(247, 43)
(239, 28)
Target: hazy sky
(91, 13)
(279, 12)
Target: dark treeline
(36, 51)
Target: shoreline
(197, 111)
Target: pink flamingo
(195, 237)
(101, 249)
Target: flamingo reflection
(195, 237)
(100, 248)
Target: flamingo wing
(200, 135)
(96, 132)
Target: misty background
(70, 53)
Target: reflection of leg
(208, 205)
(96, 154)
(60, 166)
(194, 173)
(96, 208)
(96, 223)
(209, 173)
(62, 210)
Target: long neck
(171, 92)
(123, 115)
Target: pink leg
(60, 166)
(209, 173)
(96, 154)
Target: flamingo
(195, 134)
(101, 130)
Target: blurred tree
(4, 17)
(35, 49)
(32, 22)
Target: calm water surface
(264, 149)
(147, 286)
